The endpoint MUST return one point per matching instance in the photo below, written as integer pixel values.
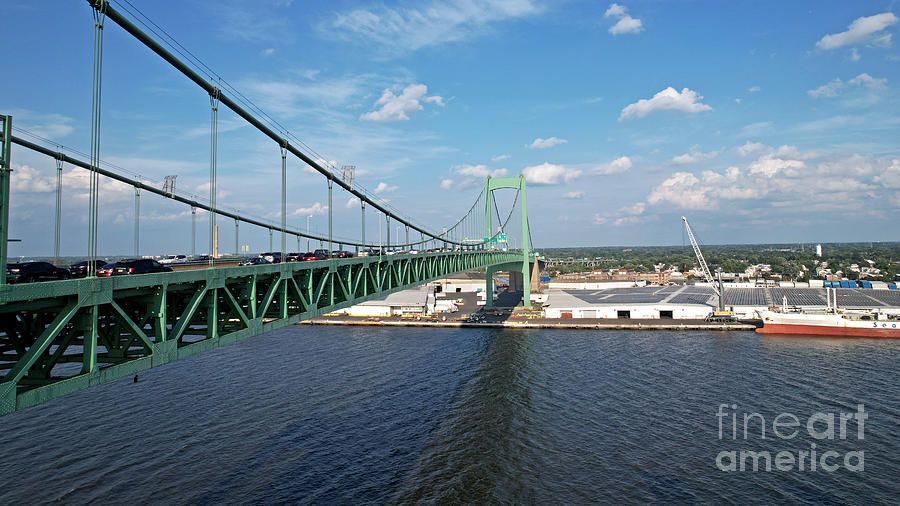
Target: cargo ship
(830, 322)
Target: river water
(317, 414)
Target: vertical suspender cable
(283, 203)
(99, 14)
(213, 140)
(56, 236)
(137, 222)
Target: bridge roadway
(59, 337)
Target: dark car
(79, 269)
(271, 256)
(28, 272)
(254, 261)
(125, 267)
(293, 257)
(342, 254)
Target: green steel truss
(59, 337)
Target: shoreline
(640, 325)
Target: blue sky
(760, 121)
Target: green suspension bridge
(58, 337)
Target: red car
(309, 257)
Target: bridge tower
(517, 183)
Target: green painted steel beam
(148, 320)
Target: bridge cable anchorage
(213, 151)
(281, 135)
(99, 15)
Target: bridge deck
(63, 336)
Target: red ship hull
(826, 330)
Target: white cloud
(869, 82)
(315, 210)
(425, 24)
(500, 158)
(754, 89)
(834, 87)
(617, 166)
(573, 195)
(267, 51)
(479, 171)
(625, 23)
(750, 147)
(545, 143)
(694, 156)
(688, 101)
(627, 215)
(401, 107)
(864, 29)
(615, 10)
(830, 89)
(737, 101)
(446, 184)
(890, 176)
(383, 187)
(548, 173)
(769, 166)
(351, 202)
(854, 55)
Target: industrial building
(698, 302)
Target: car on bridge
(79, 269)
(309, 256)
(342, 254)
(273, 257)
(174, 259)
(254, 261)
(126, 267)
(293, 257)
(29, 272)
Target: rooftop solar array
(854, 298)
(798, 296)
(704, 295)
(889, 297)
(745, 297)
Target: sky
(762, 122)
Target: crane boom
(699, 254)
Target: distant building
(819, 250)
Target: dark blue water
(368, 415)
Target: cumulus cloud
(315, 210)
(545, 143)
(750, 147)
(615, 10)
(383, 187)
(776, 180)
(625, 23)
(694, 156)
(351, 202)
(687, 101)
(834, 87)
(865, 29)
(548, 173)
(446, 184)
(854, 55)
(627, 215)
(401, 107)
(479, 171)
(617, 166)
(573, 195)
